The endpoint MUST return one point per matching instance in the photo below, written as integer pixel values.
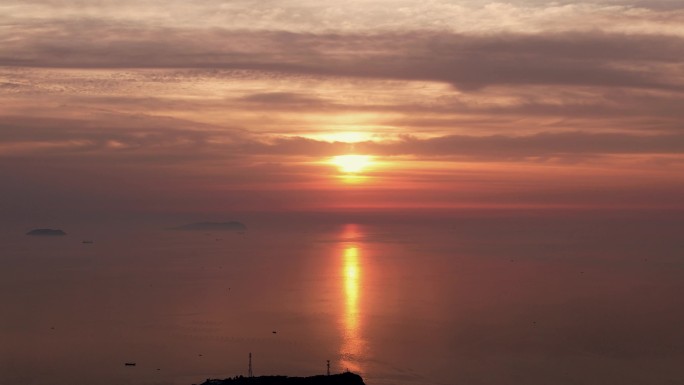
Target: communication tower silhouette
(250, 373)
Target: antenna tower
(328, 367)
(250, 373)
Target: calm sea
(562, 298)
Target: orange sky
(219, 106)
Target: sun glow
(352, 163)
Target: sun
(352, 163)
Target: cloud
(286, 99)
(486, 148)
(163, 139)
(463, 16)
(466, 61)
(537, 145)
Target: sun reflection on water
(353, 343)
(351, 288)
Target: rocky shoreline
(347, 378)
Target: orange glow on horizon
(353, 178)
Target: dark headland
(213, 226)
(48, 232)
(346, 378)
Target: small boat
(87, 242)
(129, 364)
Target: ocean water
(522, 298)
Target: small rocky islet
(46, 232)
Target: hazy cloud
(464, 16)
(468, 62)
(167, 139)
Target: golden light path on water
(351, 288)
(353, 344)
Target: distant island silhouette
(48, 232)
(213, 226)
(347, 378)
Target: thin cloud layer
(32, 137)
(467, 62)
(464, 16)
